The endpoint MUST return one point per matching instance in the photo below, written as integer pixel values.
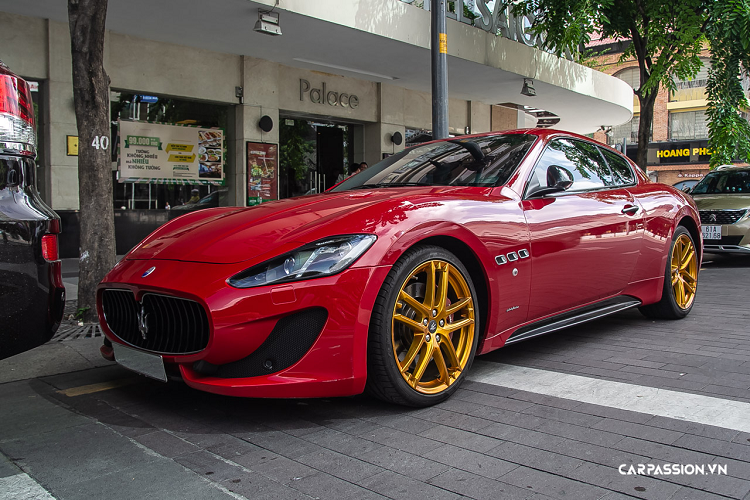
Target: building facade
(206, 109)
(678, 147)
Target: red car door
(585, 240)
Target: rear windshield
(476, 161)
(724, 182)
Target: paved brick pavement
(136, 438)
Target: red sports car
(393, 280)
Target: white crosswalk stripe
(651, 400)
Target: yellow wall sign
(72, 145)
(182, 158)
(179, 147)
(672, 153)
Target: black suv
(32, 295)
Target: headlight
(321, 258)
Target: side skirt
(572, 318)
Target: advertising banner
(262, 172)
(170, 154)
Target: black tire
(384, 378)
(668, 307)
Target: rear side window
(622, 174)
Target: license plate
(150, 365)
(711, 232)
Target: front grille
(721, 216)
(159, 323)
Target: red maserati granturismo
(396, 278)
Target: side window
(622, 173)
(581, 159)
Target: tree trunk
(646, 119)
(91, 98)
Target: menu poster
(262, 172)
(170, 153)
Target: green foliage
(81, 313)
(296, 148)
(729, 33)
(666, 38)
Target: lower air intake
(288, 342)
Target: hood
(722, 201)
(231, 234)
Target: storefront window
(126, 106)
(632, 77)
(688, 125)
(692, 89)
(628, 130)
(313, 155)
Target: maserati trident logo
(148, 271)
(143, 322)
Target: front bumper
(735, 238)
(243, 322)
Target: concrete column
(62, 119)
(260, 81)
(480, 117)
(391, 113)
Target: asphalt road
(561, 416)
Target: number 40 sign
(100, 142)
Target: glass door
(313, 156)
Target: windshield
(724, 182)
(477, 161)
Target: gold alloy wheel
(432, 330)
(684, 271)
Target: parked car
(211, 200)
(32, 294)
(686, 185)
(723, 200)
(394, 280)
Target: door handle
(630, 209)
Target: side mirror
(686, 189)
(558, 179)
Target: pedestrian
(195, 196)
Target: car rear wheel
(680, 281)
(424, 329)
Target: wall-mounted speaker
(397, 138)
(266, 123)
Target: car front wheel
(424, 329)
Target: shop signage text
(674, 153)
(665, 153)
(324, 96)
(500, 20)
